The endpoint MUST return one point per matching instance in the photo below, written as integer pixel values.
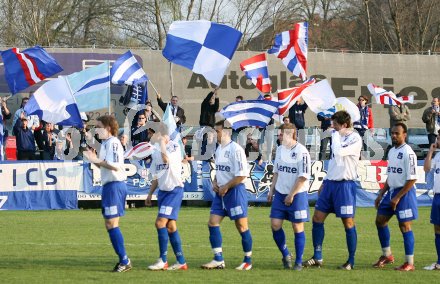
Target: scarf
(363, 122)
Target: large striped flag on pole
(26, 68)
(288, 97)
(291, 47)
(385, 97)
(255, 69)
(126, 70)
(91, 87)
(250, 113)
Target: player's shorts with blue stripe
(406, 209)
(169, 203)
(113, 199)
(234, 204)
(297, 212)
(338, 197)
(435, 210)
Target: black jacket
(207, 111)
(180, 112)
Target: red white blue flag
(291, 47)
(26, 68)
(385, 97)
(255, 69)
(288, 97)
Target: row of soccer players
(288, 194)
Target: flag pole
(171, 79)
(151, 83)
(109, 91)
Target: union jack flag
(291, 47)
(255, 69)
(26, 68)
(288, 97)
(385, 97)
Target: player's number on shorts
(3, 200)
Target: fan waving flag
(288, 97)
(291, 48)
(385, 97)
(250, 113)
(255, 69)
(204, 47)
(54, 102)
(126, 70)
(26, 68)
(91, 87)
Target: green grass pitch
(73, 247)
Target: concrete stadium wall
(349, 74)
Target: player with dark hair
(288, 194)
(111, 162)
(338, 190)
(166, 168)
(434, 165)
(398, 197)
(230, 198)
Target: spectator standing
(177, 112)
(366, 120)
(296, 116)
(49, 142)
(399, 113)
(5, 113)
(25, 140)
(150, 114)
(326, 123)
(431, 117)
(141, 136)
(210, 106)
(33, 122)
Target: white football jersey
(290, 164)
(435, 166)
(230, 162)
(168, 175)
(346, 151)
(402, 166)
(112, 152)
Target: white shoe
(159, 265)
(434, 266)
(214, 264)
(244, 266)
(178, 266)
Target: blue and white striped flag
(91, 87)
(250, 113)
(126, 70)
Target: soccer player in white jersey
(230, 197)
(111, 162)
(398, 197)
(338, 190)
(288, 194)
(166, 168)
(434, 165)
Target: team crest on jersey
(227, 154)
(293, 155)
(400, 155)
